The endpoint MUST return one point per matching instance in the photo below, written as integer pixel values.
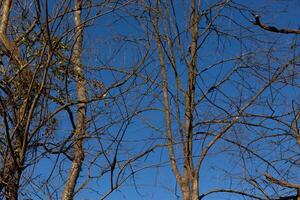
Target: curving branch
(281, 182)
(231, 191)
(9, 47)
(295, 128)
(273, 28)
(285, 184)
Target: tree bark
(11, 178)
(78, 156)
(190, 188)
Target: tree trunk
(78, 156)
(190, 179)
(11, 179)
(190, 188)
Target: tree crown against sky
(149, 99)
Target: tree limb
(273, 28)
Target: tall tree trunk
(188, 180)
(78, 156)
(190, 177)
(164, 85)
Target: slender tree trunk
(188, 180)
(190, 177)
(78, 156)
(170, 144)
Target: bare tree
(22, 92)
(199, 111)
(41, 65)
(79, 77)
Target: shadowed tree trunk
(12, 168)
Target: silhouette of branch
(273, 28)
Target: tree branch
(281, 182)
(273, 28)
